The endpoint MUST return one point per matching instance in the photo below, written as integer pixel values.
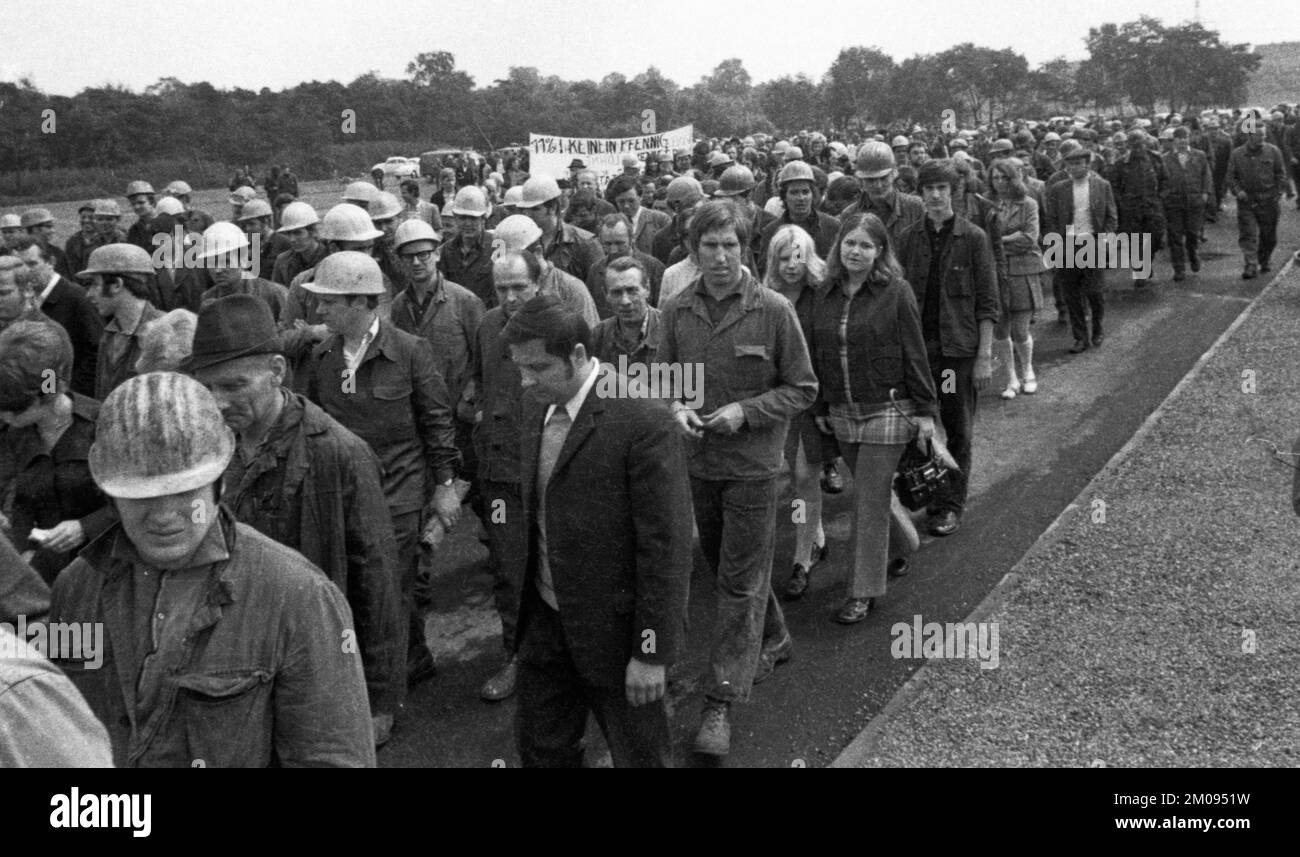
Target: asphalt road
(1032, 456)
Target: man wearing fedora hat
(301, 478)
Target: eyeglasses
(422, 256)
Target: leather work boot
(502, 685)
(714, 737)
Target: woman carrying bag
(876, 394)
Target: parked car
(431, 161)
(398, 168)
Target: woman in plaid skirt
(875, 396)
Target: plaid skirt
(874, 424)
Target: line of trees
(1138, 65)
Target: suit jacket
(1188, 187)
(648, 225)
(1060, 206)
(68, 305)
(618, 531)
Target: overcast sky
(66, 46)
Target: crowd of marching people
(236, 439)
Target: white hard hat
(296, 215)
(347, 222)
(385, 206)
(220, 239)
(170, 205)
(539, 190)
(347, 273)
(360, 192)
(513, 194)
(413, 230)
(178, 188)
(517, 232)
(470, 201)
(254, 208)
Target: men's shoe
(1250, 273)
(419, 666)
(899, 567)
(1097, 340)
(771, 657)
(1179, 276)
(502, 685)
(714, 737)
(945, 524)
(798, 582)
(1265, 267)
(1078, 347)
(382, 724)
(853, 611)
(832, 481)
(1195, 264)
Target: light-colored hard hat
(254, 208)
(241, 195)
(178, 188)
(347, 273)
(539, 190)
(413, 230)
(220, 239)
(360, 192)
(794, 153)
(36, 216)
(735, 181)
(684, 189)
(717, 159)
(107, 208)
(11, 221)
(1051, 137)
(513, 195)
(348, 222)
(780, 147)
(297, 215)
(159, 434)
(385, 206)
(471, 202)
(875, 159)
(138, 187)
(170, 205)
(1167, 134)
(796, 171)
(900, 142)
(118, 259)
(631, 160)
(517, 232)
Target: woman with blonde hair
(795, 271)
(876, 394)
(1020, 270)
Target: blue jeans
(737, 523)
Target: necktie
(553, 435)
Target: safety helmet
(513, 195)
(159, 434)
(717, 159)
(170, 205)
(875, 159)
(796, 171)
(220, 239)
(517, 232)
(385, 206)
(1072, 149)
(470, 201)
(347, 272)
(107, 208)
(36, 216)
(138, 187)
(414, 230)
(538, 190)
(1051, 137)
(118, 259)
(1167, 134)
(297, 215)
(254, 208)
(684, 189)
(780, 147)
(178, 188)
(735, 181)
(11, 221)
(900, 142)
(241, 195)
(348, 222)
(363, 192)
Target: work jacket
(969, 287)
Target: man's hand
(64, 536)
(446, 505)
(644, 682)
(727, 419)
(924, 432)
(689, 422)
(823, 425)
(983, 370)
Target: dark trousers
(1184, 227)
(503, 517)
(406, 532)
(737, 524)
(954, 378)
(1083, 292)
(1257, 228)
(552, 702)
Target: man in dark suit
(625, 192)
(67, 303)
(606, 503)
(1065, 200)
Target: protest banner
(551, 155)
